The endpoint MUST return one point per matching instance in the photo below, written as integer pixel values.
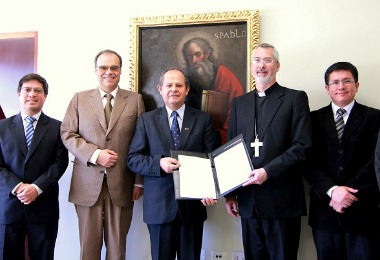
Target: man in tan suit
(102, 187)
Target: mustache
(262, 70)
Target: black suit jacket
(349, 163)
(151, 142)
(285, 131)
(45, 163)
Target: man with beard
(276, 125)
(206, 73)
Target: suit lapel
(19, 133)
(97, 106)
(41, 129)
(274, 103)
(161, 117)
(119, 105)
(329, 123)
(249, 106)
(187, 126)
(354, 121)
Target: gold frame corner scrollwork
(250, 17)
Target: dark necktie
(339, 122)
(108, 108)
(29, 130)
(175, 129)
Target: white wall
(310, 36)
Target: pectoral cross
(256, 144)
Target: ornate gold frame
(250, 18)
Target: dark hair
(108, 51)
(342, 65)
(30, 77)
(187, 83)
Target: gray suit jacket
(84, 130)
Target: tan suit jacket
(84, 130)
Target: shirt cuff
(15, 188)
(139, 185)
(94, 156)
(329, 192)
(37, 188)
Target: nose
(32, 93)
(195, 59)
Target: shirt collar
(348, 108)
(180, 111)
(36, 116)
(113, 93)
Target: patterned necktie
(175, 129)
(29, 130)
(339, 122)
(108, 108)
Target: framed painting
(161, 42)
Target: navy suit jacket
(349, 163)
(285, 131)
(151, 142)
(43, 166)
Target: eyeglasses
(345, 82)
(105, 68)
(38, 91)
(265, 60)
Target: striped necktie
(339, 122)
(29, 130)
(175, 129)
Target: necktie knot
(175, 129)
(340, 111)
(174, 114)
(30, 119)
(109, 97)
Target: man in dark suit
(275, 123)
(344, 199)
(98, 130)
(29, 176)
(175, 227)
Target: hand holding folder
(212, 175)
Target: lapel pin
(187, 129)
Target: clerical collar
(261, 94)
(267, 92)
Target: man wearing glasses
(97, 129)
(32, 160)
(275, 122)
(344, 196)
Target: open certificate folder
(212, 175)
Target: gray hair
(267, 45)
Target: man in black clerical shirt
(275, 121)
